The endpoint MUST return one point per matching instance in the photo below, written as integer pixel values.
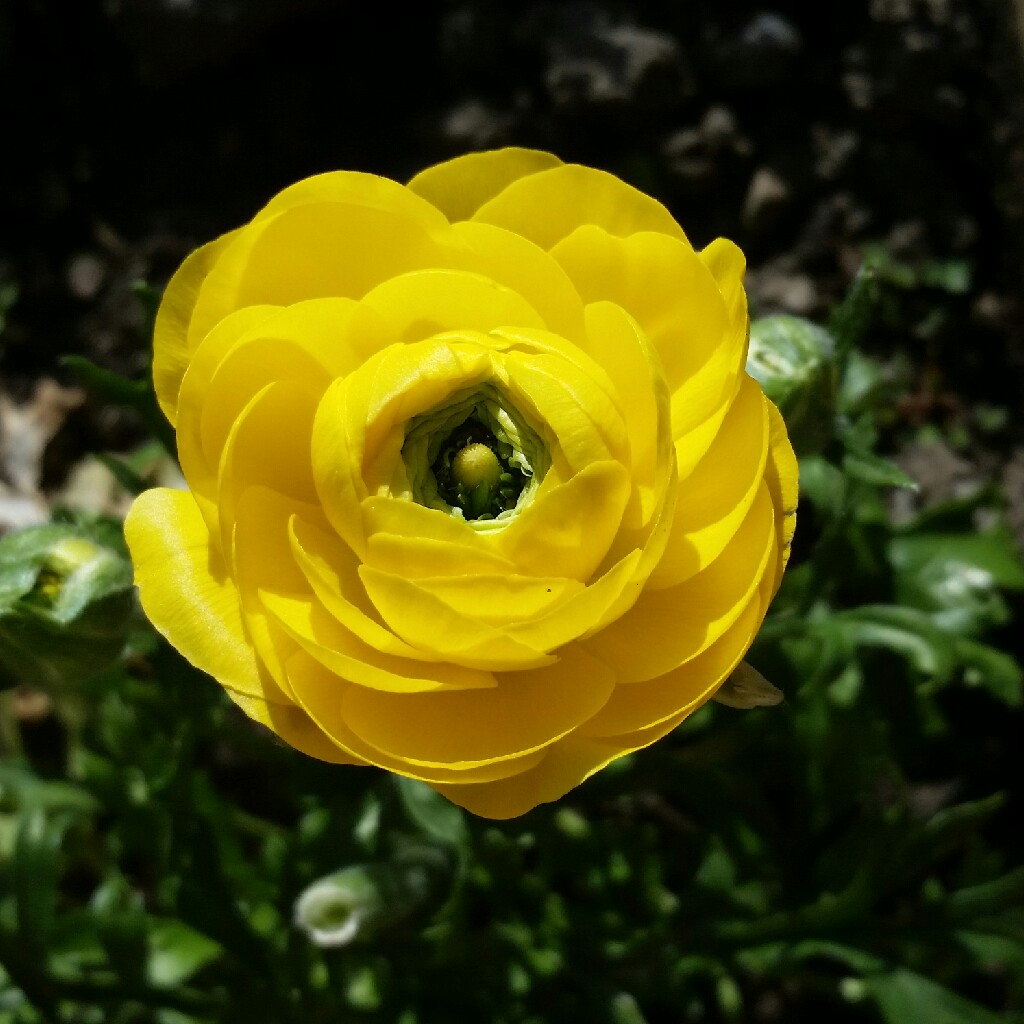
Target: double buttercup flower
(479, 489)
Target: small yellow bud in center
(476, 464)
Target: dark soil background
(136, 129)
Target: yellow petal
(546, 206)
(529, 271)
(525, 712)
(668, 627)
(782, 476)
(717, 495)
(505, 600)
(331, 568)
(361, 420)
(259, 452)
(170, 331)
(563, 767)
(351, 661)
(567, 529)
(616, 343)
(187, 593)
(660, 282)
(296, 728)
(642, 705)
(420, 303)
(323, 698)
(583, 422)
(318, 250)
(728, 265)
(459, 187)
(262, 560)
(413, 540)
(199, 455)
(310, 343)
(426, 622)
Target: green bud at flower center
(476, 464)
(474, 457)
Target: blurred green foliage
(853, 855)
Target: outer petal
(666, 628)
(564, 766)
(712, 502)
(296, 728)
(459, 187)
(547, 206)
(187, 593)
(782, 476)
(170, 332)
(524, 713)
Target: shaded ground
(139, 128)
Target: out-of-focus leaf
(851, 319)
(994, 551)
(823, 484)
(873, 469)
(176, 952)
(987, 899)
(130, 394)
(905, 631)
(123, 474)
(993, 670)
(438, 818)
(993, 950)
(121, 923)
(908, 998)
(35, 870)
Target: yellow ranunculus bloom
(480, 491)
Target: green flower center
(475, 458)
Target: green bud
(363, 900)
(66, 602)
(794, 361)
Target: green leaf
(873, 469)
(106, 385)
(438, 818)
(993, 670)
(993, 552)
(988, 898)
(123, 474)
(129, 394)
(36, 852)
(908, 998)
(176, 952)
(905, 631)
(993, 950)
(850, 320)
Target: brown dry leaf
(25, 431)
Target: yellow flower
(480, 491)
